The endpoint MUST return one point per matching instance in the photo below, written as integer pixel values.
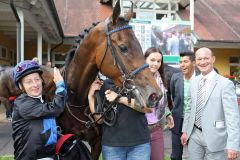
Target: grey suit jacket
(177, 91)
(220, 119)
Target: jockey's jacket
(34, 125)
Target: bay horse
(111, 48)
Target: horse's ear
(129, 14)
(116, 12)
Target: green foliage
(167, 158)
(7, 157)
(237, 75)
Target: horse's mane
(3, 68)
(77, 44)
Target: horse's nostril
(153, 99)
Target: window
(234, 62)
(3, 52)
(58, 59)
(234, 59)
(12, 56)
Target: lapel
(181, 85)
(212, 86)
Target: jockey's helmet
(25, 68)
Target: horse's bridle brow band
(119, 29)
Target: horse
(109, 47)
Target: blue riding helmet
(25, 68)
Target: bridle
(127, 76)
(127, 85)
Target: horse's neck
(79, 78)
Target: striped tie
(200, 101)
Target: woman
(156, 118)
(33, 123)
(128, 137)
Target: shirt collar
(193, 75)
(38, 97)
(210, 75)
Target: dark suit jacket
(168, 72)
(177, 91)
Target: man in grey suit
(211, 124)
(179, 86)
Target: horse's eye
(123, 48)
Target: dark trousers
(177, 147)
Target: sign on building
(171, 38)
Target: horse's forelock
(121, 21)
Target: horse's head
(118, 47)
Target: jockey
(33, 122)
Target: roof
(39, 17)
(215, 21)
(80, 14)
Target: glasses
(22, 67)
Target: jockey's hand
(56, 75)
(96, 86)
(110, 95)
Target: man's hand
(184, 139)
(232, 154)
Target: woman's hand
(110, 95)
(96, 86)
(170, 121)
(56, 75)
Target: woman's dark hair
(161, 69)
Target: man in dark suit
(179, 86)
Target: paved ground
(6, 142)
(168, 145)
